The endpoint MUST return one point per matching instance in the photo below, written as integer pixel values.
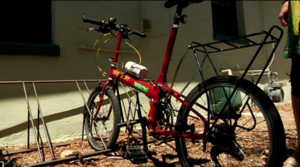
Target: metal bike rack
(40, 117)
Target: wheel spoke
(102, 132)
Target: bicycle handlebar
(93, 21)
(108, 26)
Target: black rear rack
(231, 43)
(273, 36)
(268, 38)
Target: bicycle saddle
(171, 3)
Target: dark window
(26, 28)
(224, 16)
(25, 21)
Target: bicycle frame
(154, 92)
(203, 123)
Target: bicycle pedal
(136, 154)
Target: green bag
(218, 98)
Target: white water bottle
(136, 69)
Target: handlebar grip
(143, 35)
(93, 21)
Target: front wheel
(248, 131)
(102, 132)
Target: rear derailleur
(223, 139)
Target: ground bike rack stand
(72, 158)
(40, 117)
(31, 123)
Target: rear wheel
(103, 132)
(249, 132)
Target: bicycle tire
(103, 133)
(270, 153)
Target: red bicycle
(216, 119)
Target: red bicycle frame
(152, 91)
